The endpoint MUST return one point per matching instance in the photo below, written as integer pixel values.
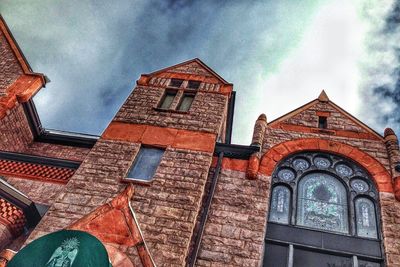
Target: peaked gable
(339, 122)
(194, 67)
(18, 83)
(194, 70)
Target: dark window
(175, 83)
(193, 85)
(303, 258)
(186, 102)
(167, 100)
(145, 165)
(323, 212)
(276, 255)
(322, 122)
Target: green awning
(66, 248)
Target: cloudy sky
(279, 54)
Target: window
(186, 102)
(180, 96)
(322, 122)
(175, 83)
(194, 85)
(323, 212)
(145, 165)
(167, 100)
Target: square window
(322, 122)
(175, 83)
(167, 100)
(193, 85)
(186, 102)
(145, 165)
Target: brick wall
(9, 65)
(206, 113)
(15, 133)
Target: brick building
(164, 186)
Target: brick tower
(172, 118)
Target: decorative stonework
(35, 171)
(12, 217)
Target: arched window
(323, 213)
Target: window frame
(351, 195)
(178, 107)
(167, 92)
(135, 161)
(180, 93)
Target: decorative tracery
(325, 192)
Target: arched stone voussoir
(377, 171)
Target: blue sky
(278, 54)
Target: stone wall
(235, 229)
(15, 133)
(336, 120)
(37, 191)
(206, 114)
(376, 149)
(9, 65)
(166, 209)
(57, 151)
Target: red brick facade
(198, 209)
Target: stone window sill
(171, 111)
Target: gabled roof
(18, 52)
(323, 97)
(25, 84)
(195, 60)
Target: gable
(191, 70)
(18, 83)
(339, 122)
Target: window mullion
(290, 258)
(355, 261)
(177, 100)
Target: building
(164, 186)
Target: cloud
(380, 66)
(278, 54)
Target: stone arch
(378, 172)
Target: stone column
(392, 146)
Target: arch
(377, 171)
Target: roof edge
(197, 60)
(18, 52)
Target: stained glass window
(365, 217)
(322, 162)
(280, 205)
(328, 193)
(359, 185)
(286, 175)
(343, 170)
(322, 203)
(301, 164)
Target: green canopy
(66, 248)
